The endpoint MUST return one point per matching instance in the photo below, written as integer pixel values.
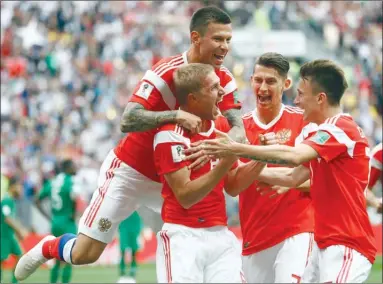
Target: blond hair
(189, 79)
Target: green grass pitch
(146, 274)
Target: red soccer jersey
(339, 178)
(155, 92)
(265, 221)
(375, 165)
(168, 145)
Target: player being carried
(128, 178)
(195, 244)
(335, 158)
(10, 226)
(62, 195)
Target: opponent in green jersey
(60, 191)
(129, 232)
(10, 227)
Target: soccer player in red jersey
(128, 177)
(376, 158)
(274, 229)
(336, 160)
(195, 244)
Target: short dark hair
(66, 165)
(276, 61)
(206, 15)
(326, 77)
(189, 79)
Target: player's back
(155, 92)
(60, 191)
(267, 221)
(339, 179)
(211, 210)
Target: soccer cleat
(126, 279)
(30, 261)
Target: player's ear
(191, 99)
(288, 83)
(195, 37)
(321, 98)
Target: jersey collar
(210, 131)
(271, 123)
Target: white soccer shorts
(282, 263)
(198, 255)
(337, 264)
(121, 190)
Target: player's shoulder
(168, 65)
(344, 127)
(293, 112)
(172, 133)
(224, 71)
(225, 76)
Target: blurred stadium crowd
(68, 69)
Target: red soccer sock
(51, 249)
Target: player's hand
(200, 159)
(268, 139)
(271, 190)
(189, 121)
(219, 147)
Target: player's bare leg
(70, 248)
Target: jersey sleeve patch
(145, 90)
(321, 137)
(177, 153)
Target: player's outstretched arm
(287, 177)
(237, 132)
(137, 119)
(40, 208)
(242, 177)
(273, 154)
(189, 192)
(17, 227)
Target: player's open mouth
(264, 99)
(219, 57)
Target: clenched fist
(189, 121)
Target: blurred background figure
(62, 195)
(11, 229)
(129, 234)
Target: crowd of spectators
(68, 69)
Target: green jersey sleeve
(45, 191)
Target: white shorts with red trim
(282, 263)
(198, 255)
(337, 264)
(121, 190)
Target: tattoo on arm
(234, 117)
(137, 119)
(269, 161)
